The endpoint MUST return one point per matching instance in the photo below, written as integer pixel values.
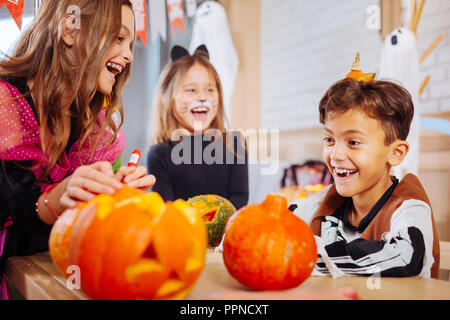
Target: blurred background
(276, 59)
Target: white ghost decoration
(211, 29)
(400, 64)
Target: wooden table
(37, 278)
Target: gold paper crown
(356, 72)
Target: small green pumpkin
(215, 211)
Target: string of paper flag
(15, 8)
(159, 11)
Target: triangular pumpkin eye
(150, 252)
(209, 216)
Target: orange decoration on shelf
(131, 246)
(292, 193)
(310, 189)
(267, 247)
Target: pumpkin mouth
(209, 216)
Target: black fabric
(19, 194)
(357, 249)
(197, 175)
(343, 212)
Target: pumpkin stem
(356, 66)
(275, 204)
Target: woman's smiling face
(196, 99)
(355, 152)
(119, 55)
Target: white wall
(308, 45)
(435, 20)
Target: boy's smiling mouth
(343, 172)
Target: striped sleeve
(406, 250)
(402, 256)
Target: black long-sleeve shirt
(197, 166)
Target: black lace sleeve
(19, 193)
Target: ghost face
(401, 40)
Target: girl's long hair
(164, 121)
(65, 81)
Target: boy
(370, 222)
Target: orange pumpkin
(267, 247)
(59, 239)
(131, 246)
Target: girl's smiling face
(119, 55)
(355, 152)
(196, 99)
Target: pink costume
(20, 141)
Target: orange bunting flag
(15, 8)
(176, 15)
(140, 12)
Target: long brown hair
(65, 82)
(164, 122)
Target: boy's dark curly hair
(385, 101)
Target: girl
(190, 155)
(57, 143)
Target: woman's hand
(88, 181)
(136, 177)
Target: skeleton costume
(397, 238)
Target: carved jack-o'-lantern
(215, 211)
(131, 246)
